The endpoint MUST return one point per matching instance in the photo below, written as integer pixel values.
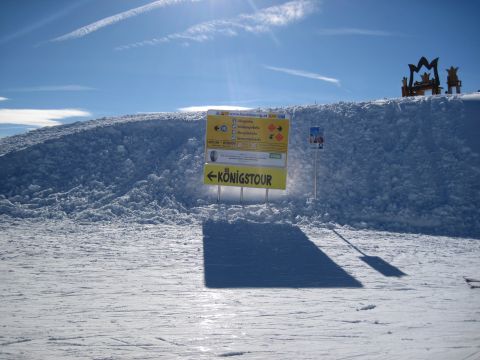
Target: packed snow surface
(112, 248)
(240, 289)
(410, 164)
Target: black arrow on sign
(210, 176)
(216, 128)
(279, 128)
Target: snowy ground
(110, 247)
(130, 291)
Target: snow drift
(403, 164)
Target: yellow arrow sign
(244, 176)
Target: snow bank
(401, 164)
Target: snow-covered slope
(200, 282)
(401, 164)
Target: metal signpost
(316, 141)
(246, 149)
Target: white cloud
(54, 88)
(212, 107)
(97, 25)
(261, 21)
(353, 31)
(38, 117)
(3, 98)
(305, 74)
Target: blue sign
(316, 138)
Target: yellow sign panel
(260, 132)
(246, 149)
(244, 176)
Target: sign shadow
(252, 255)
(375, 262)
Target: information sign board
(246, 149)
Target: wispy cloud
(261, 21)
(3, 98)
(212, 107)
(70, 87)
(39, 117)
(305, 74)
(41, 23)
(354, 31)
(97, 25)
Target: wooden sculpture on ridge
(452, 80)
(415, 88)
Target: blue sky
(64, 61)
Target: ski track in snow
(130, 291)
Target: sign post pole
(241, 195)
(316, 141)
(315, 175)
(266, 196)
(218, 194)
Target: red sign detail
(279, 137)
(271, 127)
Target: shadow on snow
(375, 262)
(251, 255)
